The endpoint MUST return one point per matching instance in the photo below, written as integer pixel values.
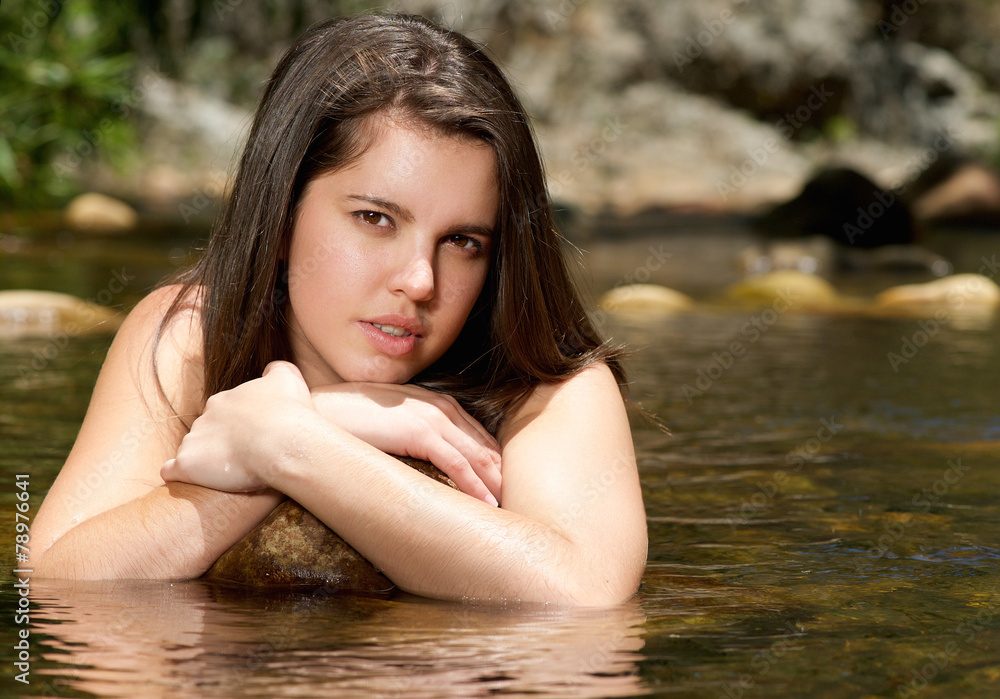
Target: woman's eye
(465, 242)
(374, 218)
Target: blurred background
(714, 107)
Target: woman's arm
(109, 514)
(174, 531)
(407, 420)
(572, 528)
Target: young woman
(385, 279)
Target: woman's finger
(477, 448)
(457, 415)
(450, 407)
(168, 472)
(454, 464)
(279, 366)
(484, 459)
(460, 413)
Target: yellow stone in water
(959, 291)
(28, 313)
(92, 211)
(799, 289)
(644, 298)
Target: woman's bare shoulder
(163, 354)
(151, 310)
(592, 388)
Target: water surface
(823, 521)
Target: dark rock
(291, 548)
(845, 206)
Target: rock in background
(719, 105)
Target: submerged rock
(794, 289)
(98, 212)
(644, 298)
(292, 548)
(29, 313)
(955, 293)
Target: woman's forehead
(422, 172)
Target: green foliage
(840, 128)
(65, 76)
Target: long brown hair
(528, 325)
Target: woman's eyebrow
(471, 229)
(403, 213)
(393, 208)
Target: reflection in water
(823, 522)
(137, 638)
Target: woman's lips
(388, 342)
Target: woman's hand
(242, 432)
(412, 421)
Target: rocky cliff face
(730, 104)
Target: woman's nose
(414, 277)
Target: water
(822, 523)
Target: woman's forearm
(430, 539)
(176, 531)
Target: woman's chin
(380, 374)
(367, 370)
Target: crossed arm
(570, 529)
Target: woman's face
(389, 254)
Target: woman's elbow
(43, 564)
(605, 582)
(599, 591)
